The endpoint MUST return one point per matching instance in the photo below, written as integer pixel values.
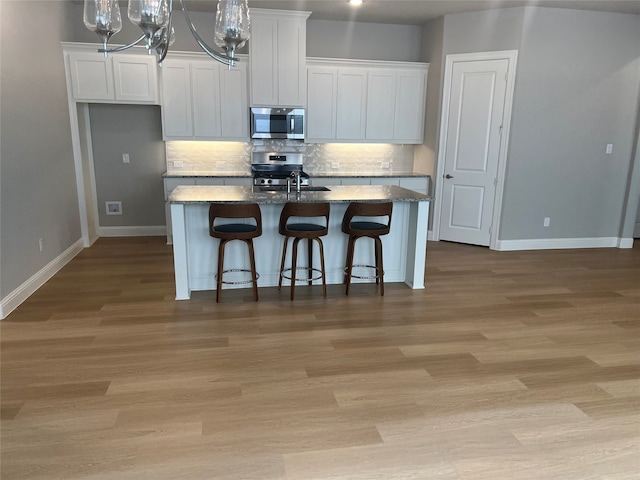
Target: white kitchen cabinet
(322, 102)
(204, 100)
(375, 102)
(381, 104)
(126, 78)
(410, 98)
(351, 106)
(136, 78)
(91, 76)
(277, 55)
(356, 181)
(417, 184)
(177, 118)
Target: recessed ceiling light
(355, 2)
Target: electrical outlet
(177, 164)
(547, 221)
(41, 244)
(385, 165)
(125, 158)
(335, 165)
(113, 208)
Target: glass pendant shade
(233, 25)
(102, 17)
(149, 15)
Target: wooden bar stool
(298, 231)
(227, 232)
(362, 228)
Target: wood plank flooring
(509, 365)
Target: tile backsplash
(320, 158)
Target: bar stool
(358, 229)
(235, 231)
(298, 231)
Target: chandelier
(232, 27)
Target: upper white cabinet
(204, 100)
(352, 108)
(120, 78)
(362, 101)
(277, 56)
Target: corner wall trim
(141, 231)
(20, 294)
(558, 243)
(625, 243)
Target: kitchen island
(195, 252)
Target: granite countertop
(338, 194)
(244, 174)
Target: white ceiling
(414, 12)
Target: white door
(472, 149)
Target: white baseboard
(142, 231)
(625, 243)
(20, 294)
(559, 243)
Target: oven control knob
(262, 180)
(269, 181)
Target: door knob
(448, 176)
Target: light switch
(609, 148)
(125, 158)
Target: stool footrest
(364, 277)
(319, 277)
(239, 282)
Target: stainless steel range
(274, 170)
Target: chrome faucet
(296, 175)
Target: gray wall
(432, 53)
(38, 195)
(137, 184)
(576, 91)
(367, 41)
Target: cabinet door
(419, 184)
(263, 58)
(177, 119)
(381, 104)
(91, 76)
(234, 107)
(385, 181)
(351, 108)
(205, 84)
(356, 181)
(410, 106)
(135, 78)
(321, 103)
(292, 71)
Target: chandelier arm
(123, 47)
(165, 47)
(208, 50)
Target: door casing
(512, 57)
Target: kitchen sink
(283, 189)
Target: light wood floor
(509, 365)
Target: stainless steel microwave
(277, 123)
